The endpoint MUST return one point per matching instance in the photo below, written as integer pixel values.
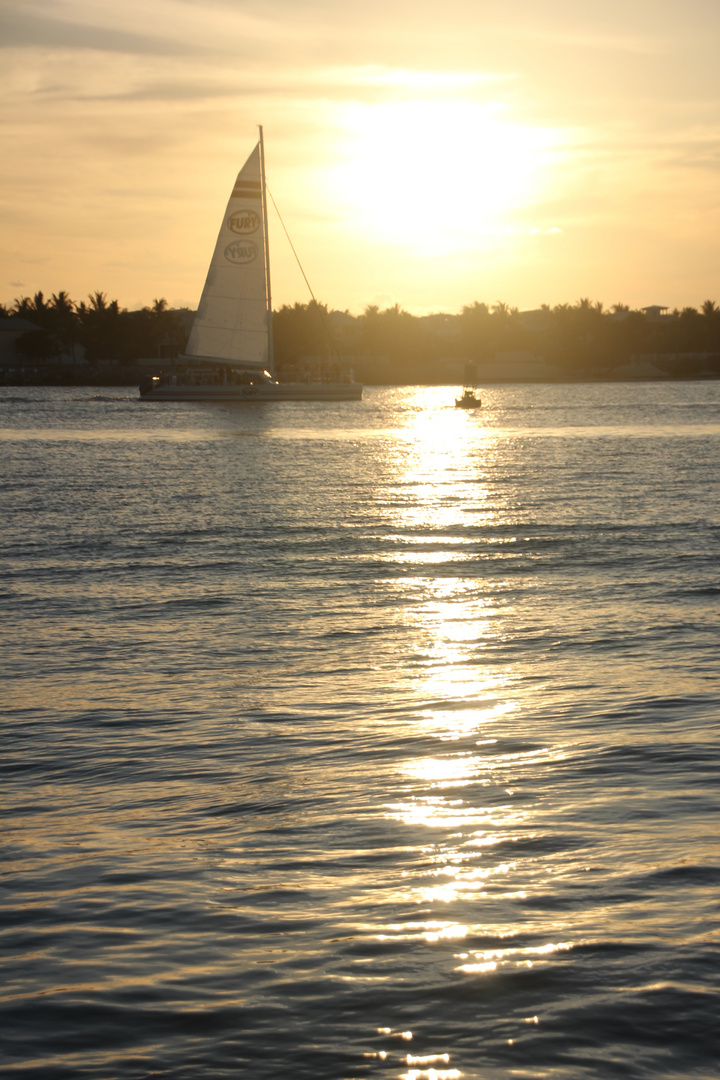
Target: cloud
(21, 29)
(696, 158)
(424, 80)
(641, 44)
(169, 28)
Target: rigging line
(297, 257)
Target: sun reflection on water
(461, 801)
(431, 1074)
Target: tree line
(98, 329)
(582, 339)
(391, 345)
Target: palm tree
(476, 309)
(64, 321)
(36, 310)
(101, 327)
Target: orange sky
(426, 153)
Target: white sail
(231, 324)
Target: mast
(268, 295)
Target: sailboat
(230, 349)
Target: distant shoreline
(123, 377)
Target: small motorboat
(468, 399)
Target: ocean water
(361, 740)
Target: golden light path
(443, 462)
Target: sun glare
(439, 176)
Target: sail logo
(241, 251)
(244, 222)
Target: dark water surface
(361, 740)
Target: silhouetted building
(10, 330)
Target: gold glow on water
(457, 800)
(492, 959)
(431, 1074)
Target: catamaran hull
(278, 392)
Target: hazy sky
(429, 153)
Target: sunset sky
(425, 153)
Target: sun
(438, 176)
